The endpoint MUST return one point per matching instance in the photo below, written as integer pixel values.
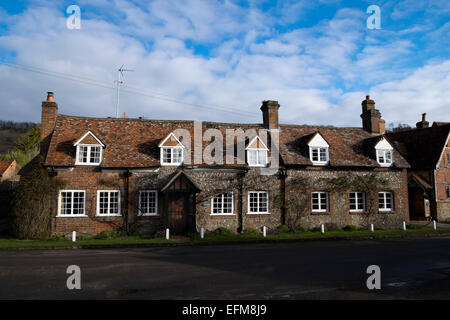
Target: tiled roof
(421, 147)
(134, 143)
(4, 164)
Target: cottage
(187, 175)
(427, 150)
(9, 170)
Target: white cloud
(309, 70)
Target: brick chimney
(269, 110)
(424, 123)
(48, 120)
(371, 117)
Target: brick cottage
(150, 175)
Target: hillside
(12, 132)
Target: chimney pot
(49, 96)
(424, 116)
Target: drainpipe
(283, 174)
(127, 175)
(241, 176)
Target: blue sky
(217, 60)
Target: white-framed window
(222, 204)
(148, 203)
(171, 156)
(319, 201)
(318, 155)
(72, 203)
(88, 154)
(385, 201)
(357, 201)
(257, 157)
(384, 157)
(108, 203)
(258, 202)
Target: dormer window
(171, 151)
(318, 150)
(172, 155)
(384, 153)
(257, 153)
(89, 150)
(384, 157)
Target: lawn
(218, 239)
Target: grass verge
(12, 244)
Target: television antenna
(119, 81)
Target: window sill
(320, 212)
(171, 164)
(108, 215)
(87, 164)
(72, 216)
(257, 213)
(148, 215)
(222, 214)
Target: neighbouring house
(9, 170)
(187, 175)
(427, 149)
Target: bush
(107, 235)
(350, 228)
(301, 229)
(222, 231)
(332, 227)
(283, 229)
(34, 201)
(318, 229)
(412, 226)
(252, 231)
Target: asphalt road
(414, 268)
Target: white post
(404, 226)
(322, 228)
(74, 236)
(264, 231)
(202, 233)
(434, 224)
(371, 227)
(167, 234)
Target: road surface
(410, 268)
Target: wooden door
(177, 213)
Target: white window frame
(147, 214)
(222, 196)
(327, 197)
(109, 198)
(258, 204)
(171, 148)
(320, 161)
(382, 154)
(88, 163)
(385, 209)
(447, 192)
(358, 201)
(71, 215)
(257, 164)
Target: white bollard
(404, 226)
(434, 224)
(322, 228)
(74, 236)
(371, 227)
(264, 231)
(202, 233)
(167, 234)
